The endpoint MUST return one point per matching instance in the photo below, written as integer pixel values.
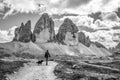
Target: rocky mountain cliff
(76, 43)
(83, 39)
(99, 45)
(44, 29)
(67, 26)
(68, 34)
(23, 33)
(116, 49)
(44, 32)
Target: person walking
(47, 55)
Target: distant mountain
(44, 29)
(67, 26)
(83, 39)
(24, 33)
(68, 40)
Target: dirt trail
(35, 72)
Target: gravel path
(35, 72)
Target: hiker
(47, 55)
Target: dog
(40, 62)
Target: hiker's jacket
(47, 54)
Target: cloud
(111, 17)
(105, 2)
(111, 6)
(82, 7)
(76, 3)
(57, 16)
(22, 5)
(81, 21)
(104, 37)
(105, 24)
(87, 21)
(56, 3)
(1, 9)
(85, 28)
(100, 6)
(7, 35)
(10, 7)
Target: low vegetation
(9, 67)
(73, 70)
(3, 54)
(114, 64)
(24, 55)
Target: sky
(98, 19)
(13, 12)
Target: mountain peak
(28, 24)
(23, 33)
(45, 15)
(44, 28)
(83, 39)
(67, 26)
(22, 24)
(68, 20)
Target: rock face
(99, 45)
(44, 29)
(23, 33)
(67, 27)
(83, 39)
(117, 48)
(33, 37)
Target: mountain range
(69, 40)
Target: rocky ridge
(44, 28)
(24, 33)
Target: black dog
(39, 62)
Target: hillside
(38, 49)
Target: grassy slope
(7, 49)
(17, 48)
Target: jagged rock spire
(44, 28)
